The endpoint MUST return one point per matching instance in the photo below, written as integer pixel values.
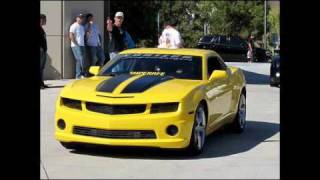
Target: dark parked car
(232, 48)
(275, 71)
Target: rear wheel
(198, 136)
(239, 122)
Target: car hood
(127, 89)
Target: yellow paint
(221, 98)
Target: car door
(236, 49)
(243, 50)
(218, 92)
(222, 47)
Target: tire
(239, 123)
(272, 84)
(198, 135)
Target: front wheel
(239, 122)
(198, 136)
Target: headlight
(71, 103)
(277, 74)
(164, 107)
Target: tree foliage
(222, 17)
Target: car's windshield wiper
(110, 74)
(113, 74)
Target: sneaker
(80, 77)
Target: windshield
(177, 66)
(206, 39)
(209, 39)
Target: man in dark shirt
(43, 49)
(115, 35)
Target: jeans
(113, 54)
(43, 60)
(79, 55)
(97, 55)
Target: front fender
(192, 100)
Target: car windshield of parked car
(209, 39)
(177, 66)
(206, 39)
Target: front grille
(71, 103)
(116, 109)
(115, 134)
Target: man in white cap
(115, 41)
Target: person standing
(115, 35)
(43, 49)
(128, 41)
(170, 37)
(93, 41)
(250, 49)
(76, 35)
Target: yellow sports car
(166, 98)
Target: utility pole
(170, 8)
(265, 24)
(158, 23)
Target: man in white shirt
(93, 42)
(76, 35)
(170, 37)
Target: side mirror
(218, 74)
(94, 70)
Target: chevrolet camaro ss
(165, 98)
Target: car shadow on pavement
(61, 86)
(219, 144)
(256, 78)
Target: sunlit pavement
(253, 154)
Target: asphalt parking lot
(253, 154)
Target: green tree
(223, 17)
(189, 26)
(140, 19)
(234, 17)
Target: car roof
(180, 51)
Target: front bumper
(156, 122)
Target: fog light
(278, 74)
(61, 124)
(172, 130)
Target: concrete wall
(60, 14)
(70, 10)
(53, 28)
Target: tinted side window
(223, 40)
(243, 43)
(215, 39)
(222, 64)
(206, 39)
(235, 42)
(214, 64)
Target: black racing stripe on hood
(111, 84)
(144, 83)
